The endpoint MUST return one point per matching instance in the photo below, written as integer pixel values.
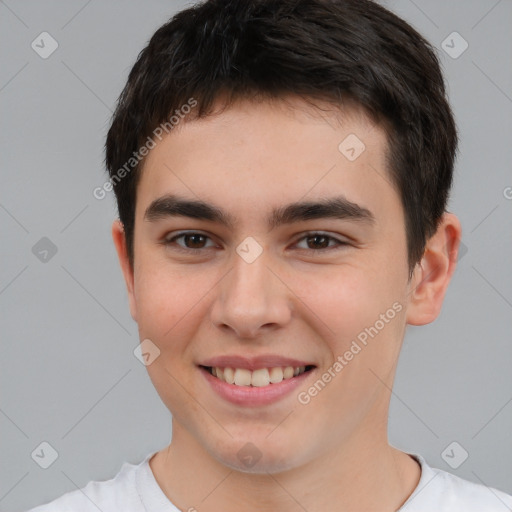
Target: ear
(433, 273)
(119, 238)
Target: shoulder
(469, 496)
(444, 492)
(118, 493)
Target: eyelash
(309, 234)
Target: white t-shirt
(135, 489)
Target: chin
(257, 455)
(264, 466)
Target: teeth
(257, 378)
(229, 375)
(276, 375)
(288, 372)
(260, 378)
(242, 377)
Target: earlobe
(433, 273)
(119, 238)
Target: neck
(361, 473)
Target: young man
(282, 170)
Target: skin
(333, 453)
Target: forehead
(257, 152)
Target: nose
(251, 299)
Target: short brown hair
(324, 49)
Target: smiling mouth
(256, 378)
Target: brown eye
(318, 241)
(195, 241)
(191, 241)
(321, 242)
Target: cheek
(170, 309)
(365, 320)
(349, 299)
(361, 320)
(167, 300)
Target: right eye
(193, 241)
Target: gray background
(68, 372)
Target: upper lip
(253, 363)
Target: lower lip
(252, 396)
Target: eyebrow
(337, 207)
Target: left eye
(196, 241)
(322, 240)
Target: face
(256, 281)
